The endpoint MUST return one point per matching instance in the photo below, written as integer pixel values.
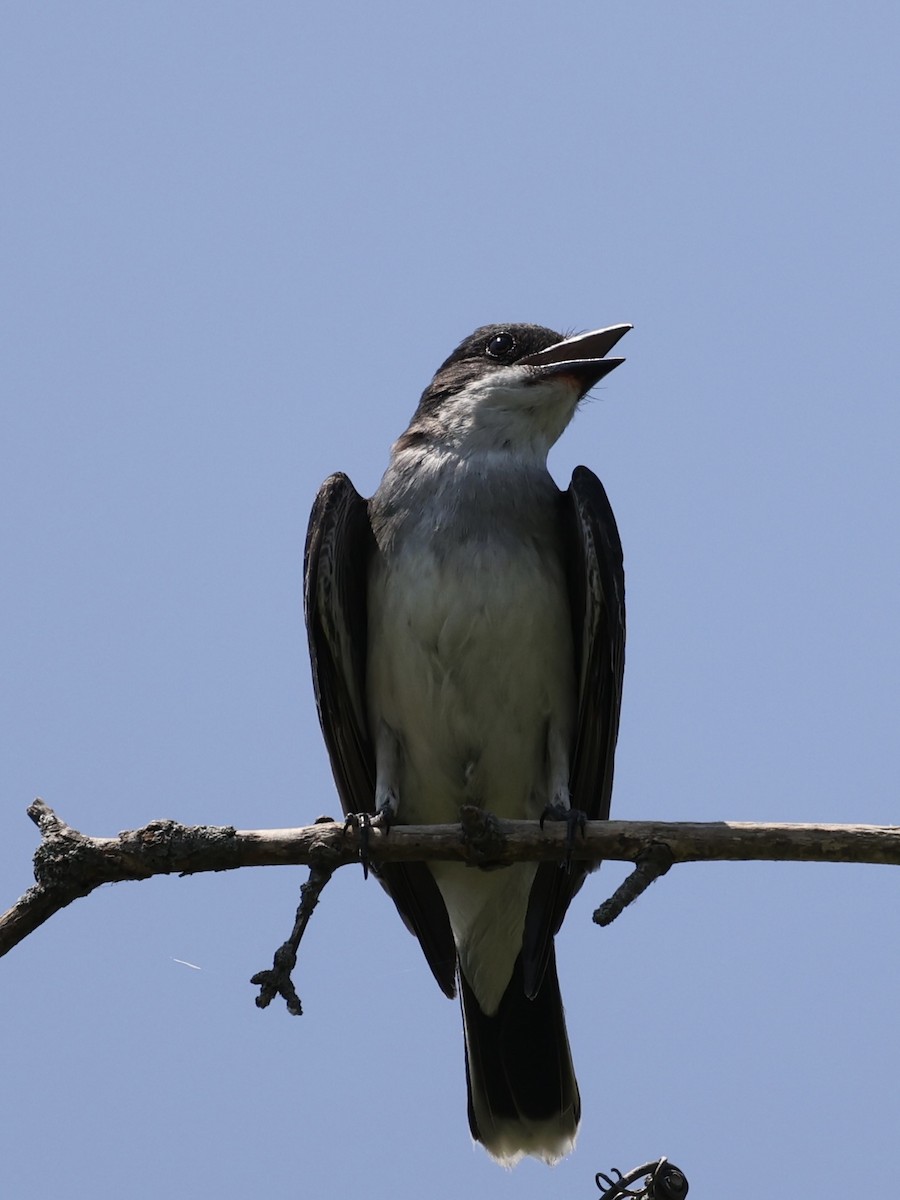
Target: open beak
(581, 356)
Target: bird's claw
(365, 822)
(575, 819)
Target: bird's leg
(387, 776)
(559, 806)
(387, 804)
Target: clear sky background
(237, 239)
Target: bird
(466, 631)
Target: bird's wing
(597, 596)
(339, 546)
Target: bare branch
(69, 864)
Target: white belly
(470, 664)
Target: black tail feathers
(523, 1096)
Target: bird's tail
(523, 1095)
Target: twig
(277, 981)
(650, 866)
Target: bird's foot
(365, 822)
(575, 819)
(482, 836)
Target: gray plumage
(466, 631)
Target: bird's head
(511, 388)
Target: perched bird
(467, 635)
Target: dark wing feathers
(597, 595)
(597, 589)
(339, 545)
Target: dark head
(512, 387)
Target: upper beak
(581, 356)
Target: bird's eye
(500, 345)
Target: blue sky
(236, 242)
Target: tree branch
(69, 864)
